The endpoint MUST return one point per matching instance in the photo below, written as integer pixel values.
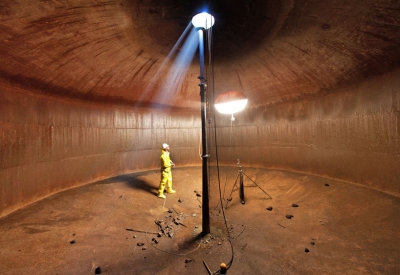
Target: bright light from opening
(203, 20)
(230, 102)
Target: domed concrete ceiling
(121, 51)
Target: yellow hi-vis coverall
(166, 175)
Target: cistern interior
(90, 90)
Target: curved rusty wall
(52, 144)
(352, 134)
(49, 144)
(322, 79)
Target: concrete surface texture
(334, 227)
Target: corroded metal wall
(352, 134)
(48, 144)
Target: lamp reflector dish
(230, 102)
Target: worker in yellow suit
(166, 174)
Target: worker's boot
(161, 196)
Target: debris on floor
(166, 228)
(303, 232)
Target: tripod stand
(241, 186)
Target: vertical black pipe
(205, 202)
(201, 52)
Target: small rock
(188, 260)
(155, 240)
(312, 243)
(326, 184)
(197, 194)
(140, 244)
(306, 250)
(170, 210)
(288, 216)
(295, 205)
(269, 208)
(180, 200)
(134, 236)
(97, 270)
(144, 248)
(72, 242)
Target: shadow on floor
(134, 181)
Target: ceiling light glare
(203, 20)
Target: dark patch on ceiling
(240, 25)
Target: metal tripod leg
(241, 190)
(230, 196)
(241, 186)
(255, 184)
